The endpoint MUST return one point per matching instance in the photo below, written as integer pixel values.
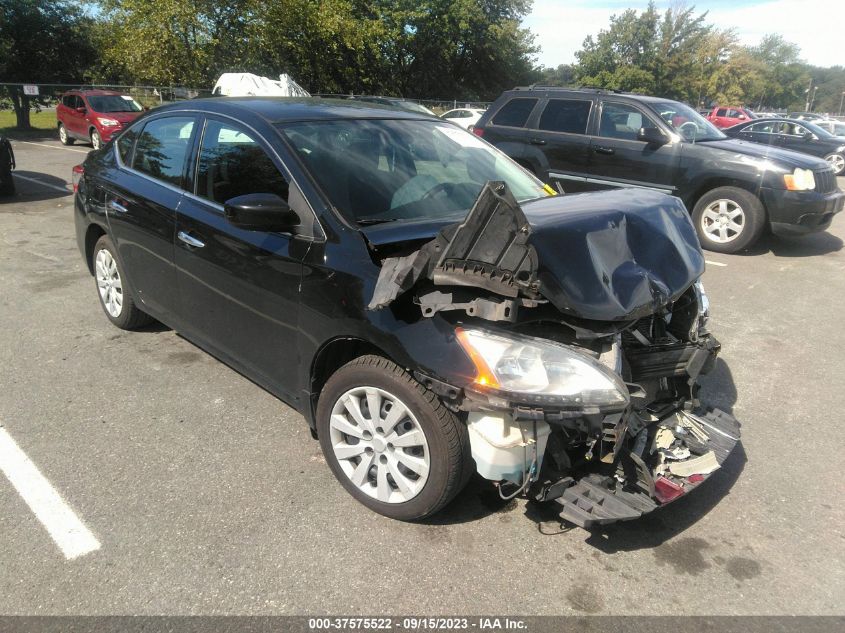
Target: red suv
(723, 117)
(94, 116)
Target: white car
(837, 128)
(464, 117)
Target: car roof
(94, 92)
(287, 109)
(587, 91)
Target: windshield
(390, 170)
(687, 122)
(815, 129)
(114, 103)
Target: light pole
(812, 99)
(840, 102)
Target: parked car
(465, 117)
(396, 102)
(7, 164)
(769, 115)
(723, 117)
(800, 136)
(94, 116)
(806, 116)
(584, 140)
(837, 128)
(422, 300)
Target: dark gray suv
(581, 140)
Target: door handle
(114, 205)
(604, 150)
(190, 241)
(537, 141)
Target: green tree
(41, 41)
(784, 76)
(181, 42)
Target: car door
(141, 205)
(793, 136)
(76, 119)
(560, 137)
(239, 289)
(618, 159)
(759, 132)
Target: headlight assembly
(800, 180)
(540, 371)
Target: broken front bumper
(599, 499)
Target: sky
(816, 26)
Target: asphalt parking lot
(198, 493)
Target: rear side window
(566, 115)
(162, 148)
(515, 112)
(125, 144)
(721, 112)
(233, 164)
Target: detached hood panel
(613, 255)
(608, 256)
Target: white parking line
(43, 184)
(707, 261)
(69, 149)
(72, 537)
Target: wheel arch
(92, 234)
(331, 356)
(714, 183)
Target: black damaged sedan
(429, 306)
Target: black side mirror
(652, 136)
(261, 212)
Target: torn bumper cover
(687, 448)
(586, 390)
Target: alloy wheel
(722, 221)
(379, 444)
(837, 161)
(96, 141)
(63, 134)
(108, 283)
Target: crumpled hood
(613, 255)
(608, 256)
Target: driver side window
(621, 121)
(232, 163)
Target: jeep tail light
(78, 171)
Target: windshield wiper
(371, 221)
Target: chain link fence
(45, 95)
(438, 106)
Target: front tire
(728, 219)
(390, 442)
(96, 139)
(64, 137)
(113, 288)
(837, 161)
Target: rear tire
(113, 288)
(437, 441)
(728, 219)
(64, 137)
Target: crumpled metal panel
(607, 256)
(614, 255)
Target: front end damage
(587, 325)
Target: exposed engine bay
(588, 331)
